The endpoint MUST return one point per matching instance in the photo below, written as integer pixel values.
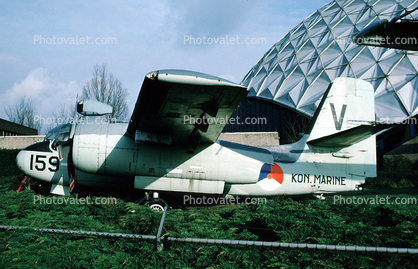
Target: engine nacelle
(102, 148)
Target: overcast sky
(132, 38)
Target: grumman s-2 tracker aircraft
(160, 151)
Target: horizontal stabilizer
(348, 137)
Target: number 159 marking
(40, 164)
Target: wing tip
(190, 77)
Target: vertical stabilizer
(347, 103)
(344, 124)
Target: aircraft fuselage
(221, 167)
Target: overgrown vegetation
(282, 219)
(397, 172)
(8, 165)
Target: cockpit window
(59, 135)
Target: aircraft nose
(20, 160)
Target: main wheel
(157, 204)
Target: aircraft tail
(344, 124)
(347, 104)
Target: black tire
(157, 204)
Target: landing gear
(27, 183)
(358, 188)
(156, 203)
(321, 197)
(152, 200)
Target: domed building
(287, 83)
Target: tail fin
(347, 104)
(344, 124)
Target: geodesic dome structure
(297, 70)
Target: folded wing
(177, 106)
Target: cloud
(45, 92)
(34, 85)
(5, 58)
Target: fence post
(160, 245)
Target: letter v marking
(338, 123)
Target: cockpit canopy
(59, 135)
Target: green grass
(282, 219)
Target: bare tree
(64, 114)
(294, 127)
(105, 88)
(24, 114)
